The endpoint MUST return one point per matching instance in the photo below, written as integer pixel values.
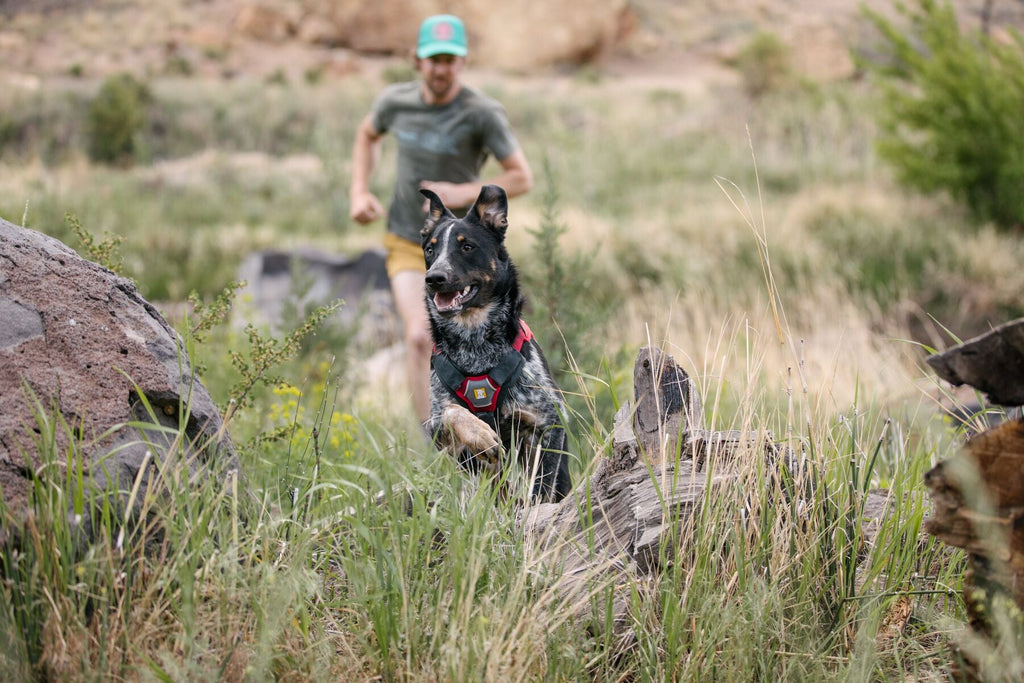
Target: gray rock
(283, 283)
(81, 356)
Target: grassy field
(758, 241)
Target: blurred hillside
(232, 38)
(650, 104)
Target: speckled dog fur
(474, 303)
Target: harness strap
(525, 335)
(482, 394)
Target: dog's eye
(467, 247)
(428, 251)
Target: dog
(491, 391)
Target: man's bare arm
(364, 207)
(516, 178)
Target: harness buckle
(479, 392)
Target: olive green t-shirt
(447, 143)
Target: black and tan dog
(490, 388)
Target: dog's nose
(436, 278)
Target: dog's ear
(435, 213)
(491, 209)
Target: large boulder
(518, 36)
(86, 361)
(284, 286)
(288, 284)
(264, 22)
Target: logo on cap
(443, 31)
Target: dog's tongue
(446, 300)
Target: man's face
(440, 74)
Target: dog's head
(465, 257)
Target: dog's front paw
(473, 433)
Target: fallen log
(978, 495)
(992, 362)
(625, 520)
(651, 477)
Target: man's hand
(453, 195)
(365, 208)
(515, 178)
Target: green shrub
(45, 125)
(764, 64)
(566, 307)
(951, 111)
(569, 309)
(398, 72)
(116, 117)
(277, 77)
(178, 65)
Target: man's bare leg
(408, 289)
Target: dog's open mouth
(452, 302)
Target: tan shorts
(403, 254)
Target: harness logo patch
(480, 392)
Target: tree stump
(992, 363)
(654, 479)
(979, 493)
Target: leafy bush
(566, 308)
(397, 73)
(570, 304)
(764, 64)
(44, 125)
(116, 118)
(951, 115)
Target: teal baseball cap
(441, 34)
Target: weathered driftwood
(978, 495)
(666, 404)
(622, 518)
(625, 520)
(992, 363)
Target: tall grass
(352, 551)
(349, 552)
(245, 166)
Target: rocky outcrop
(518, 36)
(262, 21)
(90, 372)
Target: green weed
(950, 110)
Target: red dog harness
(482, 394)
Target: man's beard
(440, 87)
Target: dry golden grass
(749, 239)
